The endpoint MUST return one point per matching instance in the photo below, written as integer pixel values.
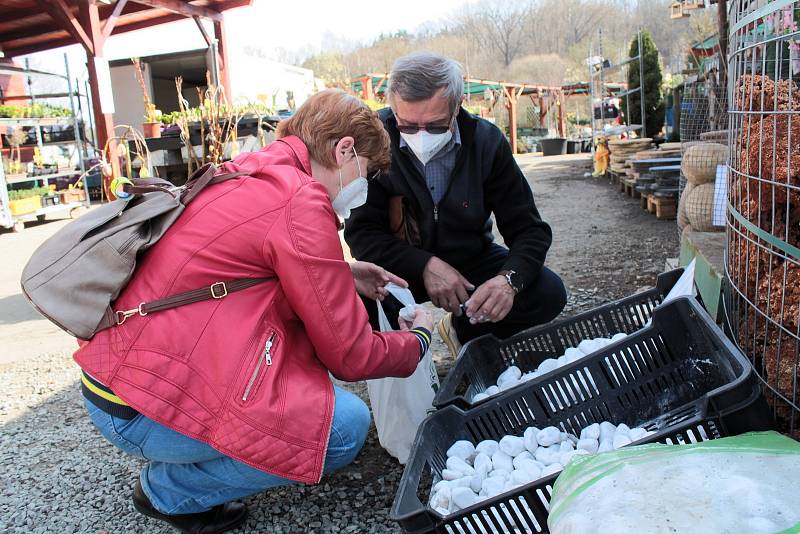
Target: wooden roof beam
(59, 10)
(208, 39)
(111, 21)
(8, 37)
(183, 8)
(90, 19)
(64, 40)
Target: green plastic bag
(748, 483)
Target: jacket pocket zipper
(264, 357)
(126, 246)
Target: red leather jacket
(248, 373)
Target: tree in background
(545, 69)
(504, 40)
(499, 26)
(654, 106)
(331, 67)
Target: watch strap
(507, 274)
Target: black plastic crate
(680, 377)
(483, 359)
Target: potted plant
(73, 193)
(212, 126)
(152, 116)
(15, 168)
(22, 201)
(49, 196)
(152, 125)
(122, 152)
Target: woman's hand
(422, 318)
(371, 280)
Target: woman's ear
(343, 151)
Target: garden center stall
(52, 139)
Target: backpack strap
(140, 186)
(202, 177)
(217, 290)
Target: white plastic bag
(400, 404)
(684, 287)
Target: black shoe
(221, 518)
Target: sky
(303, 23)
(281, 29)
(284, 31)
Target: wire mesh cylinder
(763, 220)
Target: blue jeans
(185, 476)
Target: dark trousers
(538, 303)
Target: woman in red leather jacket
(232, 396)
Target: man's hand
(491, 302)
(371, 280)
(445, 285)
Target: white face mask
(425, 145)
(352, 195)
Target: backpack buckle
(122, 315)
(219, 290)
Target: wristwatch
(514, 280)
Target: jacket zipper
(265, 356)
(459, 163)
(460, 159)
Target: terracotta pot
(151, 129)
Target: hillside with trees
(535, 41)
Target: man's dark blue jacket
(485, 180)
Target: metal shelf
(8, 220)
(618, 65)
(48, 210)
(622, 129)
(598, 75)
(622, 94)
(43, 121)
(42, 177)
(57, 143)
(49, 143)
(12, 70)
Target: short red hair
(332, 114)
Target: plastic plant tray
(483, 359)
(680, 377)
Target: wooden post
(369, 91)
(562, 114)
(222, 57)
(722, 29)
(511, 106)
(677, 96)
(104, 122)
(542, 111)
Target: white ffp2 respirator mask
(352, 195)
(425, 145)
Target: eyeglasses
(430, 128)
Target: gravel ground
(58, 475)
